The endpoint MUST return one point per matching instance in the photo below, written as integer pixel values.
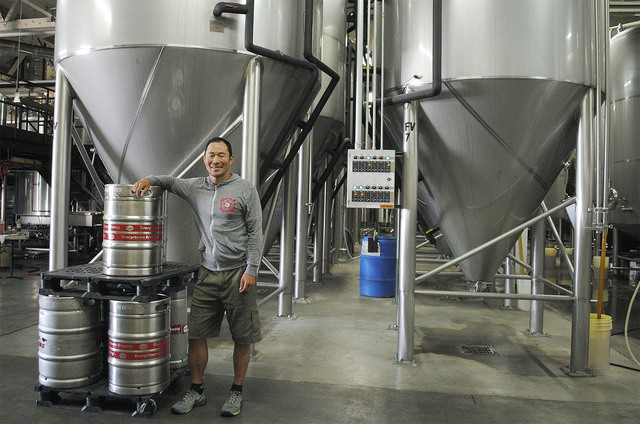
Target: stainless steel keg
(69, 342)
(133, 231)
(179, 329)
(139, 350)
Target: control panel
(371, 178)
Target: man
(229, 218)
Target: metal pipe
(60, 173)
(367, 89)
(536, 314)
(326, 231)
(338, 222)
(271, 296)
(490, 243)
(302, 217)
(406, 249)
(489, 295)
(3, 197)
(615, 241)
(382, 80)
(251, 122)
(271, 267)
(318, 248)
(543, 280)
(374, 78)
(509, 283)
(306, 128)
(198, 159)
(287, 243)
(358, 65)
(556, 234)
(583, 237)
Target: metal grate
(476, 350)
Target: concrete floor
(333, 363)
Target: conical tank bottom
(151, 109)
(489, 151)
(163, 103)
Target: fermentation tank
(154, 80)
(493, 142)
(624, 115)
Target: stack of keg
(146, 340)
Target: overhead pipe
(248, 10)
(15, 47)
(436, 65)
(318, 64)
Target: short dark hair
(220, 140)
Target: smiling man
(229, 219)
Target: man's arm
(253, 221)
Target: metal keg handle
(162, 307)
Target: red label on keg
(178, 329)
(132, 237)
(133, 228)
(138, 356)
(138, 346)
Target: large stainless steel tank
(156, 79)
(625, 127)
(492, 144)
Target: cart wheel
(145, 409)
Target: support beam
(537, 287)
(60, 173)
(302, 217)
(287, 234)
(583, 234)
(407, 241)
(251, 121)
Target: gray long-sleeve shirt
(228, 216)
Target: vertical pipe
(3, 197)
(367, 78)
(318, 249)
(509, 283)
(60, 173)
(615, 241)
(326, 231)
(537, 286)
(338, 222)
(374, 77)
(360, 13)
(302, 217)
(251, 121)
(407, 255)
(287, 234)
(583, 235)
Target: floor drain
(477, 350)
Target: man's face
(217, 161)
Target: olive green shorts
(215, 293)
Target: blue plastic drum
(378, 269)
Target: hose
(626, 324)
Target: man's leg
(198, 358)
(241, 358)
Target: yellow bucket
(599, 341)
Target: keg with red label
(133, 231)
(139, 346)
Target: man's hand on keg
(141, 187)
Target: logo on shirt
(228, 205)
